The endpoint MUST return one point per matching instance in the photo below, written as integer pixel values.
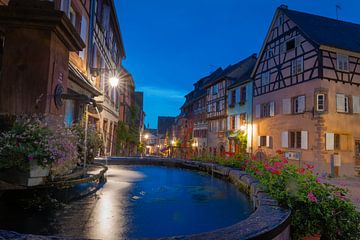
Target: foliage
(316, 207)
(94, 143)
(242, 140)
(31, 139)
(128, 133)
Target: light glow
(114, 81)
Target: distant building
(139, 103)
(164, 125)
(239, 106)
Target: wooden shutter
(237, 95)
(285, 139)
(259, 141)
(301, 102)
(229, 98)
(257, 111)
(272, 109)
(286, 106)
(329, 141)
(268, 141)
(356, 104)
(304, 140)
(237, 121)
(340, 102)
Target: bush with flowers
(317, 208)
(31, 139)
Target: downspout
(91, 31)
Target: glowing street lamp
(146, 136)
(242, 127)
(173, 142)
(114, 81)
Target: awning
(79, 78)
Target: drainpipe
(91, 30)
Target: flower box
(35, 176)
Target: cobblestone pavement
(352, 184)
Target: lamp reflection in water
(108, 219)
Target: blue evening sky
(170, 44)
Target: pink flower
(30, 158)
(312, 197)
(318, 180)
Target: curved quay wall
(268, 221)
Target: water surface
(139, 201)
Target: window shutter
(259, 141)
(229, 98)
(237, 95)
(285, 139)
(329, 141)
(340, 102)
(257, 111)
(344, 142)
(304, 140)
(237, 121)
(301, 101)
(356, 104)
(286, 106)
(272, 109)
(228, 122)
(268, 141)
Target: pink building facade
(306, 92)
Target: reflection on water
(140, 201)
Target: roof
(327, 31)
(241, 72)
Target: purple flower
(312, 197)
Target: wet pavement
(139, 201)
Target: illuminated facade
(306, 92)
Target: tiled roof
(242, 72)
(327, 31)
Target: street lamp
(114, 81)
(146, 136)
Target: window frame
(323, 103)
(340, 60)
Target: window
(72, 17)
(357, 147)
(280, 20)
(218, 107)
(342, 103)
(65, 7)
(297, 66)
(320, 102)
(295, 139)
(290, 45)
(336, 141)
(215, 89)
(356, 104)
(269, 53)
(242, 119)
(299, 104)
(342, 62)
(262, 142)
(232, 98)
(267, 109)
(232, 123)
(242, 95)
(265, 78)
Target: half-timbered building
(306, 91)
